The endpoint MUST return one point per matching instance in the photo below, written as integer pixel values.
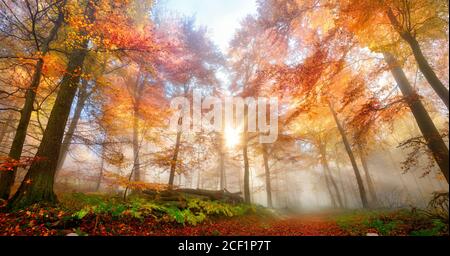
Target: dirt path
(305, 225)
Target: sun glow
(232, 137)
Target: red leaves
(8, 164)
(44, 222)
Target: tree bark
(247, 195)
(327, 183)
(173, 163)
(429, 131)
(332, 182)
(421, 61)
(351, 156)
(369, 181)
(344, 192)
(267, 174)
(5, 127)
(102, 165)
(7, 178)
(136, 142)
(83, 95)
(37, 186)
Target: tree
(197, 61)
(431, 134)
(35, 13)
(414, 21)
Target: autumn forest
(357, 105)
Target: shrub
(195, 211)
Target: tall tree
(198, 60)
(43, 46)
(412, 21)
(351, 156)
(429, 131)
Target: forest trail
(251, 225)
(285, 225)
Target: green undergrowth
(391, 223)
(189, 211)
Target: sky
(222, 17)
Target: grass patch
(391, 223)
(191, 212)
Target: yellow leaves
(123, 181)
(53, 66)
(322, 18)
(116, 159)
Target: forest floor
(99, 216)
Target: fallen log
(170, 195)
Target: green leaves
(81, 213)
(196, 211)
(438, 228)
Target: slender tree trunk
(422, 62)
(136, 142)
(369, 181)
(5, 127)
(344, 192)
(267, 174)
(362, 190)
(246, 172)
(83, 95)
(173, 163)
(222, 172)
(429, 131)
(247, 196)
(327, 183)
(7, 178)
(102, 165)
(37, 186)
(326, 168)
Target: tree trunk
(246, 173)
(369, 181)
(422, 62)
(344, 192)
(362, 190)
(327, 183)
(267, 174)
(7, 178)
(429, 131)
(247, 195)
(37, 186)
(136, 162)
(326, 168)
(83, 95)
(5, 127)
(102, 165)
(173, 163)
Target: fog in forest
(107, 109)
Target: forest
(356, 103)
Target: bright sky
(222, 17)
